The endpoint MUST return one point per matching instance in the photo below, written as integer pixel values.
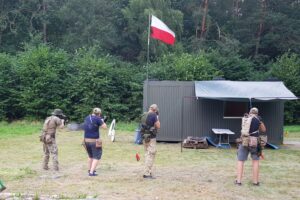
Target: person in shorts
(92, 123)
(243, 152)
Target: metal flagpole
(148, 47)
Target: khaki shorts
(243, 153)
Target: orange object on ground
(137, 156)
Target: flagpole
(148, 47)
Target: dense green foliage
(76, 54)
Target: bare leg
(255, 171)
(90, 161)
(94, 165)
(240, 170)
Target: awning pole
(181, 135)
(250, 101)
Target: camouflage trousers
(50, 149)
(150, 151)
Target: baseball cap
(96, 111)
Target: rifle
(105, 118)
(64, 117)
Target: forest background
(78, 54)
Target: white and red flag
(161, 31)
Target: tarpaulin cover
(237, 90)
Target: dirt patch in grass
(191, 174)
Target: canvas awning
(243, 90)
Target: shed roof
(238, 90)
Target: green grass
(19, 128)
(191, 174)
(292, 128)
(292, 133)
(28, 128)
(126, 126)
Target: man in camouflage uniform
(152, 121)
(56, 120)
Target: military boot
(56, 168)
(45, 166)
(45, 163)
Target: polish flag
(161, 31)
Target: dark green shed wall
(182, 114)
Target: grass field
(191, 174)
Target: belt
(90, 140)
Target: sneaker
(256, 184)
(237, 183)
(148, 176)
(93, 174)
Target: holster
(263, 139)
(46, 138)
(99, 143)
(253, 141)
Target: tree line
(76, 54)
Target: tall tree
(263, 6)
(135, 33)
(97, 23)
(204, 15)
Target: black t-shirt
(254, 126)
(151, 119)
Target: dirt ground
(191, 174)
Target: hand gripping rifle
(104, 118)
(64, 117)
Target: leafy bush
(184, 67)
(287, 69)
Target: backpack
(246, 122)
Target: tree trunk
(236, 8)
(261, 25)
(203, 25)
(44, 21)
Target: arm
(104, 126)
(157, 124)
(102, 123)
(262, 127)
(62, 123)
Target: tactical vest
(147, 131)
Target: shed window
(235, 109)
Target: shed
(189, 108)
